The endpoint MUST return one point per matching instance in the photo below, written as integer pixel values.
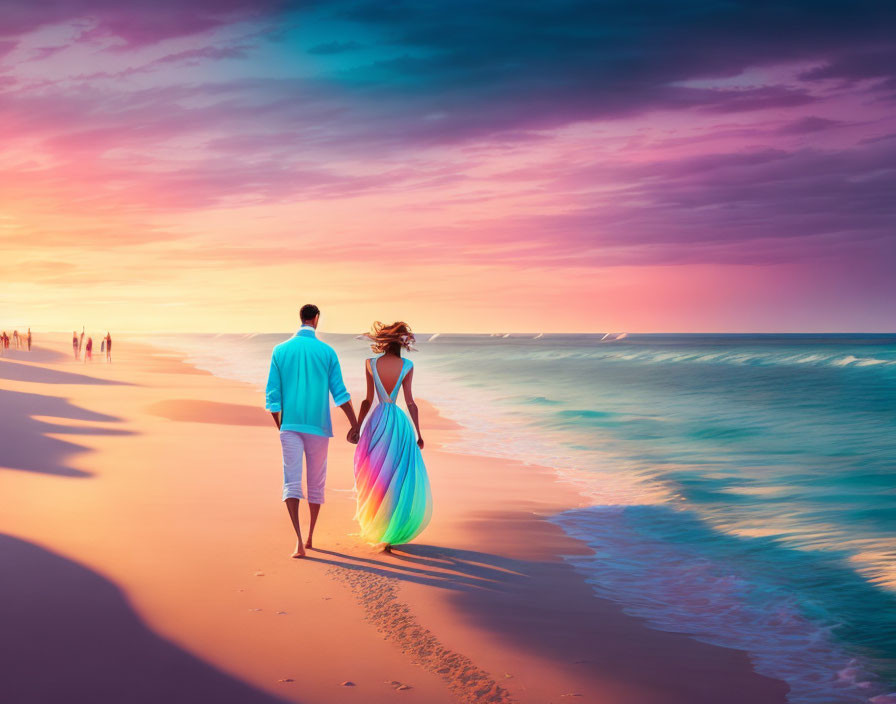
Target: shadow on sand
(70, 636)
(15, 371)
(36, 354)
(25, 443)
(447, 568)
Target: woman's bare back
(388, 368)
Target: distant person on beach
(394, 500)
(75, 346)
(29, 339)
(108, 343)
(304, 373)
(15, 338)
(88, 352)
(80, 343)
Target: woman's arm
(412, 407)
(365, 404)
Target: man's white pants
(313, 448)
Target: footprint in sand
(347, 683)
(394, 620)
(398, 685)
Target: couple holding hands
(394, 501)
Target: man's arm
(272, 393)
(342, 399)
(353, 433)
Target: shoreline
(164, 480)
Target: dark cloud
(206, 53)
(334, 47)
(856, 65)
(758, 99)
(441, 72)
(501, 65)
(137, 22)
(807, 125)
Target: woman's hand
(420, 443)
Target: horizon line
(492, 334)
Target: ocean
(742, 487)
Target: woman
(394, 498)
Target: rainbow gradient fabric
(394, 500)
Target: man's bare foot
(384, 547)
(300, 551)
(308, 543)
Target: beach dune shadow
(38, 354)
(24, 440)
(69, 635)
(15, 371)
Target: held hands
(420, 443)
(353, 436)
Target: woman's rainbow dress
(393, 494)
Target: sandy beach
(146, 559)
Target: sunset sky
(211, 165)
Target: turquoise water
(743, 486)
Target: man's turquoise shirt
(304, 372)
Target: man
(304, 373)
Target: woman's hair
(390, 338)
